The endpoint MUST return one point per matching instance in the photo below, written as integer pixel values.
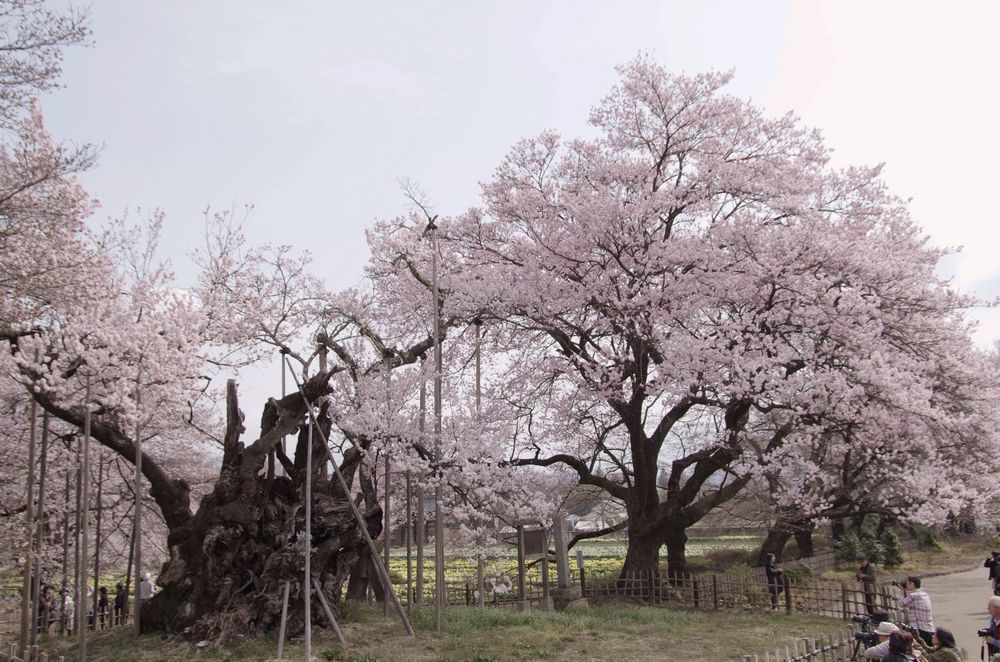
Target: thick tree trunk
(804, 539)
(774, 543)
(642, 554)
(837, 529)
(229, 562)
(676, 540)
(786, 526)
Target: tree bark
(676, 541)
(774, 543)
(229, 562)
(804, 539)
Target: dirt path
(959, 602)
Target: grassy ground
(950, 556)
(478, 635)
(626, 632)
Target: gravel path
(959, 602)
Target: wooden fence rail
(838, 647)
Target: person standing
(145, 589)
(102, 606)
(774, 579)
(866, 575)
(916, 604)
(119, 618)
(993, 563)
(900, 647)
(943, 647)
(993, 626)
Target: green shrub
(847, 548)
(720, 560)
(893, 552)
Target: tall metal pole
(137, 515)
(39, 529)
(409, 542)
(480, 566)
(438, 490)
(387, 528)
(81, 626)
(77, 599)
(64, 593)
(30, 520)
(306, 586)
(97, 539)
(280, 468)
(421, 526)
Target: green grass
(626, 632)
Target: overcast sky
(312, 111)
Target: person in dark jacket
(774, 580)
(993, 563)
(866, 575)
(102, 607)
(900, 647)
(120, 598)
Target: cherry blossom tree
(698, 272)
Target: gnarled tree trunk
(229, 562)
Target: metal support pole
(421, 524)
(137, 515)
(306, 593)
(438, 490)
(480, 569)
(97, 540)
(39, 529)
(81, 626)
(359, 518)
(387, 527)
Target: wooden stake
(81, 626)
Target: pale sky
(312, 111)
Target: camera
(984, 632)
(869, 639)
(862, 619)
(900, 583)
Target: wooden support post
(30, 522)
(354, 509)
(788, 593)
(520, 562)
(284, 621)
(329, 613)
(715, 592)
(409, 542)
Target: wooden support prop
(383, 575)
(329, 614)
(284, 620)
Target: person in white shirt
(881, 649)
(145, 588)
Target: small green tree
(848, 547)
(892, 551)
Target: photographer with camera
(993, 563)
(878, 651)
(866, 575)
(991, 633)
(916, 605)
(943, 648)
